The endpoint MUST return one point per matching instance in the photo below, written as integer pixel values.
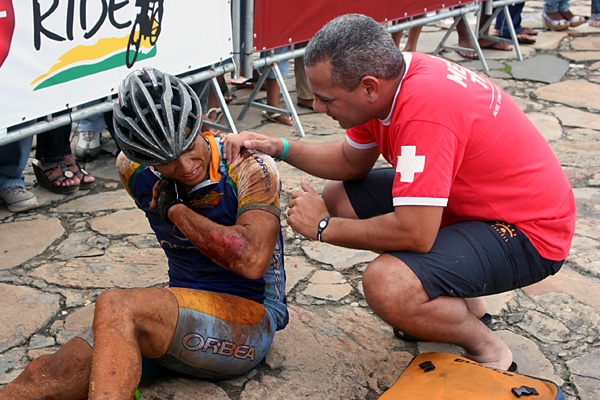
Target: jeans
(92, 124)
(595, 9)
(556, 5)
(13, 158)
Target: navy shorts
(468, 259)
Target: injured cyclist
(219, 227)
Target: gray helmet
(152, 114)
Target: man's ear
(371, 85)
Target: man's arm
(408, 228)
(245, 248)
(333, 161)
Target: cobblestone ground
(58, 258)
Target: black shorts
(468, 259)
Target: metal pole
(236, 33)
(248, 38)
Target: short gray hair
(356, 46)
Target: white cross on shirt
(3, 14)
(409, 163)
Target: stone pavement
(58, 258)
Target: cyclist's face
(191, 167)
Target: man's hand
(233, 145)
(164, 196)
(306, 210)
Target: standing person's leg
(413, 38)
(464, 39)
(524, 36)
(86, 181)
(595, 14)
(564, 9)
(273, 91)
(13, 159)
(304, 94)
(89, 132)
(49, 167)
(552, 17)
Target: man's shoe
(18, 199)
(88, 145)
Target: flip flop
(219, 114)
(522, 38)
(304, 106)
(274, 117)
(497, 46)
(468, 55)
(246, 83)
(407, 337)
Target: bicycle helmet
(152, 114)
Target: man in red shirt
(474, 203)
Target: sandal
(555, 24)
(278, 118)
(595, 22)
(407, 337)
(44, 180)
(218, 114)
(80, 174)
(574, 20)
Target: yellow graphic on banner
(99, 51)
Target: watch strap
(322, 225)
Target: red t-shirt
(456, 140)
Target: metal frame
(491, 8)
(271, 64)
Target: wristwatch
(322, 225)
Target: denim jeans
(595, 9)
(13, 158)
(556, 5)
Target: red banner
(279, 23)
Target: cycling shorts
(217, 336)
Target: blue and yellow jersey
(250, 183)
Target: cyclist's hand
(164, 196)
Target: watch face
(323, 224)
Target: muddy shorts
(217, 336)
(468, 259)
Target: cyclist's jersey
(250, 183)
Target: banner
(57, 54)
(280, 23)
